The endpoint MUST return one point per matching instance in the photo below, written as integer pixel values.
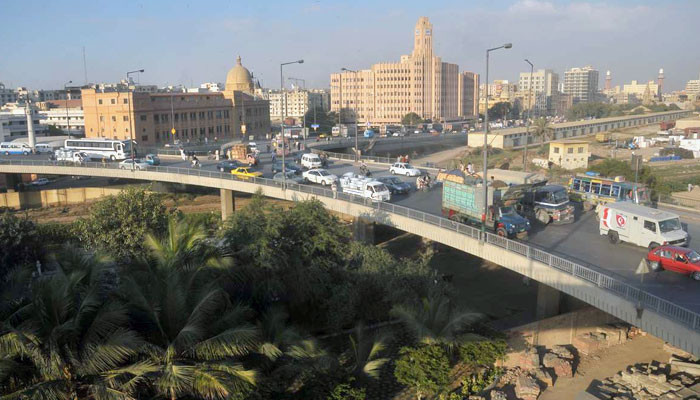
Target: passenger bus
(595, 189)
(9, 148)
(102, 148)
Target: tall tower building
(581, 84)
(420, 82)
(608, 80)
(660, 82)
(543, 87)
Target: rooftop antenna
(85, 66)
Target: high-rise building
(419, 82)
(581, 84)
(111, 112)
(544, 90)
(7, 95)
(295, 103)
(468, 100)
(693, 87)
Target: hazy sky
(189, 42)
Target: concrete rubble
(649, 381)
(604, 337)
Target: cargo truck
(464, 202)
(643, 226)
(545, 203)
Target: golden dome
(238, 78)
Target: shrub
(425, 368)
(677, 151)
(483, 353)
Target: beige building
(419, 82)
(581, 84)
(569, 154)
(195, 117)
(294, 103)
(501, 90)
(468, 95)
(543, 87)
(639, 89)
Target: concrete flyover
(675, 324)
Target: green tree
(19, 241)
(54, 131)
(66, 342)
(482, 352)
(434, 321)
(364, 355)
(425, 368)
(196, 336)
(542, 130)
(325, 120)
(500, 110)
(411, 119)
(119, 224)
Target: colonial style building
(158, 118)
(419, 82)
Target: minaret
(608, 80)
(30, 125)
(660, 82)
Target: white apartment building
(581, 84)
(545, 83)
(639, 89)
(294, 103)
(61, 117)
(693, 86)
(13, 122)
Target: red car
(677, 259)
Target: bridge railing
(589, 273)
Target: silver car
(291, 177)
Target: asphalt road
(579, 241)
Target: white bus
(8, 148)
(98, 148)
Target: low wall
(560, 329)
(55, 197)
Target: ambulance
(640, 225)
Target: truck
(243, 153)
(640, 225)
(603, 137)
(73, 156)
(463, 201)
(544, 203)
(365, 187)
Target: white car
(40, 182)
(319, 175)
(397, 134)
(137, 164)
(401, 168)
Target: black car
(228, 165)
(395, 185)
(289, 166)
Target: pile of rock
(604, 337)
(649, 381)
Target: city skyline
(633, 40)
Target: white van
(43, 148)
(643, 226)
(311, 160)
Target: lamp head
(300, 61)
(508, 45)
(141, 70)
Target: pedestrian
(398, 158)
(274, 158)
(217, 154)
(690, 187)
(206, 140)
(268, 148)
(334, 188)
(408, 159)
(182, 154)
(470, 168)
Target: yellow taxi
(246, 172)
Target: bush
(19, 242)
(483, 353)
(677, 151)
(426, 369)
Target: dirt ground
(607, 363)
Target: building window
(556, 150)
(156, 118)
(125, 118)
(177, 117)
(144, 138)
(193, 116)
(201, 115)
(99, 101)
(114, 119)
(226, 114)
(218, 114)
(126, 101)
(113, 101)
(102, 118)
(570, 150)
(184, 116)
(580, 149)
(143, 117)
(164, 117)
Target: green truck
(464, 202)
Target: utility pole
(527, 123)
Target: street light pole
(486, 134)
(282, 93)
(527, 123)
(354, 109)
(303, 82)
(132, 124)
(65, 89)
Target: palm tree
(68, 340)
(364, 355)
(195, 336)
(434, 321)
(542, 129)
(276, 335)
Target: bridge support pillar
(548, 300)
(10, 181)
(228, 203)
(363, 230)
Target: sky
(190, 42)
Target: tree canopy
(411, 119)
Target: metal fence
(588, 273)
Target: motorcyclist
(195, 161)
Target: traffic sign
(369, 124)
(315, 126)
(172, 131)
